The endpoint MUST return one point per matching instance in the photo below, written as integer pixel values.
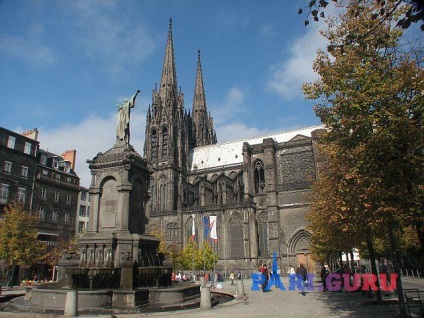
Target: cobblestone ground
(277, 303)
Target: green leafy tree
(198, 258)
(371, 90)
(190, 257)
(171, 252)
(208, 256)
(18, 238)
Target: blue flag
(206, 226)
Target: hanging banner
(206, 226)
(193, 228)
(212, 225)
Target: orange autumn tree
(371, 101)
(19, 246)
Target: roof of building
(231, 153)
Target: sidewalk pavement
(275, 303)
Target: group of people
(182, 277)
(300, 272)
(215, 279)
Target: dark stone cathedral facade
(257, 188)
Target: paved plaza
(277, 303)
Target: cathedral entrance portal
(304, 257)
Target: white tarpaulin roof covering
(231, 153)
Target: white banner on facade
(212, 225)
(193, 228)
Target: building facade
(55, 197)
(18, 166)
(83, 211)
(44, 182)
(256, 189)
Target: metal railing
(414, 301)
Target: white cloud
(114, 42)
(88, 137)
(231, 106)
(31, 51)
(288, 75)
(237, 131)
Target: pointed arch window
(153, 199)
(172, 231)
(154, 145)
(259, 175)
(164, 142)
(162, 194)
(263, 234)
(236, 236)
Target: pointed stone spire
(203, 130)
(168, 84)
(199, 101)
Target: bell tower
(167, 140)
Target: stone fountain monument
(118, 267)
(116, 253)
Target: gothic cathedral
(256, 189)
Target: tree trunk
(13, 277)
(352, 263)
(396, 267)
(419, 226)
(374, 269)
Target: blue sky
(65, 65)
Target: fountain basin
(48, 299)
(56, 298)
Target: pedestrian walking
(232, 277)
(302, 274)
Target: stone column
(239, 288)
(205, 298)
(127, 275)
(124, 207)
(71, 305)
(94, 210)
(254, 248)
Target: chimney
(71, 156)
(32, 133)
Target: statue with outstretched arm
(123, 126)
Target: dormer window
(11, 142)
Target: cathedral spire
(199, 101)
(168, 85)
(203, 130)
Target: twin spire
(168, 86)
(203, 133)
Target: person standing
(265, 277)
(324, 274)
(232, 277)
(291, 272)
(302, 274)
(212, 279)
